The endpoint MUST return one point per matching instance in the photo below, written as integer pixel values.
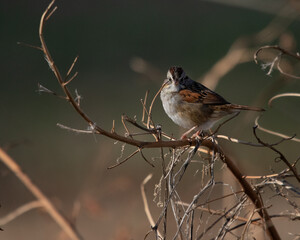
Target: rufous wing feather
(203, 96)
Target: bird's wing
(197, 93)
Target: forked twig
(282, 157)
(70, 69)
(277, 59)
(276, 47)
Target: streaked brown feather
(204, 96)
(189, 96)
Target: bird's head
(174, 76)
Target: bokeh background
(124, 48)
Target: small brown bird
(191, 105)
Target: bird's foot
(185, 135)
(198, 135)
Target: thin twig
(71, 79)
(151, 106)
(248, 222)
(276, 47)
(224, 122)
(292, 138)
(146, 205)
(125, 127)
(20, 211)
(283, 95)
(50, 14)
(143, 156)
(144, 105)
(29, 45)
(74, 129)
(70, 69)
(282, 157)
(215, 212)
(125, 160)
(277, 59)
(113, 127)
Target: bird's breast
(182, 113)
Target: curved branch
(276, 47)
(20, 211)
(277, 59)
(283, 95)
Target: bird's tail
(244, 107)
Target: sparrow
(191, 105)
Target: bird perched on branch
(193, 106)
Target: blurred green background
(110, 37)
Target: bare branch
(125, 160)
(20, 210)
(283, 95)
(144, 105)
(151, 106)
(292, 138)
(146, 206)
(48, 206)
(277, 59)
(50, 14)
(282, 157)
(29, 45)
(73, 129)
(113, 127)
(71, 68)
(143, 156)
(71, 79)
(283, 51)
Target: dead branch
(276, 61)
(20, 211)
(221, 213)
(283, 95)
(43, 200)
(292, 138)
(146, 206)
(282, 157)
